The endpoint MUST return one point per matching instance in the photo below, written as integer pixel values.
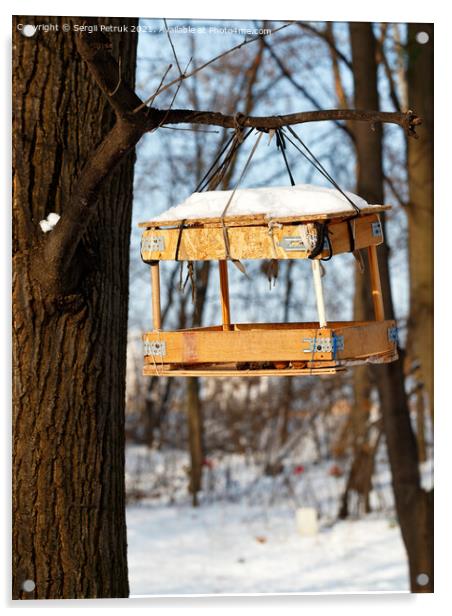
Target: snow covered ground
(227, 548)
(243, 538)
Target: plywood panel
(257, 242)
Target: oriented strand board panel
(253, 242)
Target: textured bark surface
(420, 208)
(69, 533)
(414, 506)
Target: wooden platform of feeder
(261, 349)
(258, 241)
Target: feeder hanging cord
(311, 158)
(281, 145)
(215, 173)
(225, 231)
(211, 180)
(321, 228)
(217, 169)
(315, 162)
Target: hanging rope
(322, 233)
(311, 158)
(281, 145)
(315, 162)
(216, 172)
(223, 215)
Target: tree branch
(300, 87)
(325, 36)
(95, 50)
(408, 121)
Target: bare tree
(413, 504)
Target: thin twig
(221, 55)
(193, 130)
(285, 71)
(403, 202)
(172, 47)
(119, 79)
(168, 111)
(325, 37)
(150, 100)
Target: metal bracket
(325, 345)
(294, 243)
(377, 230)
(393, 334)
(156, 348)
(153, 243)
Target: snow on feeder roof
(302, 201)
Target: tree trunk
(420, 209)
(414, 506)
(69, 531)
(359, 415)
(194, 405)
(420, 424)
(195, 438)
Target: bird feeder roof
(261, 205)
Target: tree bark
(414, 506)
(69, 344)
(194, 403)
(420, 208)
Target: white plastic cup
(307, 523)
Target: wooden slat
(224, 294)
(375, 282)
(261, 219)
(303, 325)
(199, 244)
(232, 346)
(151, 370)
(362, 341)
(155, 279)
(273, 345)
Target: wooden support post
(316, 273)
(155, 278)
(375, 283)
(224, 294)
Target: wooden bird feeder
(261, 349)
